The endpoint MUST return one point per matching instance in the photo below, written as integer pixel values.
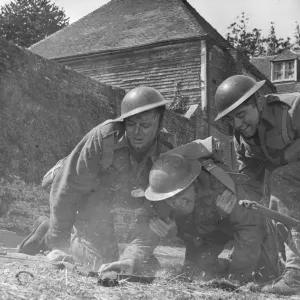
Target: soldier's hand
(59, 255)
(163, 229)
(121, 266)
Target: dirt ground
(36, 281)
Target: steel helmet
(140, 99)
(171, 174)
(233, 92)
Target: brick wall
(173, 69)
(220, 67)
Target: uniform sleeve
(143, 240)
(254, 169)
(292, 152)
(294, 113)
(244, 225)
(247, 227)
(71, 187)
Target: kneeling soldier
(107, 164)
(222, 238)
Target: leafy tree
(276, 45)
(250, 43)
(25, 22)
(296, 45)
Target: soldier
(222, 238)
(113, 159)
(267, 137)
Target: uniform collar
(267, 117)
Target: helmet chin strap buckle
(138, 193)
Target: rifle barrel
(271, 214)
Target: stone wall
(45, 109)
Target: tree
(250, 43)
(25, 22)
(296, 45)
(276, 45)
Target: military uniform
(209, 230)
(277, 149)
(100, 173)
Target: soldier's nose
(137, 129)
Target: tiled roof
(288, 87)
(263, 64)
(286, 55)
(127, 23)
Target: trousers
(285, 198)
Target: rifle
(271, 214)
(283, 221)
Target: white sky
(219, 13)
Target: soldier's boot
(34, 243)
(288, 284)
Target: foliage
(296, 45)
(179, 104)
(25, 22)
(249, 42)
(252, 43)
(276, 45)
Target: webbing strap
(219, 173)
(285, 136)
(107, 151)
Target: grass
(21, 204)
(44, 283)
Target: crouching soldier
(113, 159)
(267, 137)
(222, 238)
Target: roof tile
(263, 64)
(288, 54)
(126, 23)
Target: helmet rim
(142, 109)
(241, 100)
(153, 195)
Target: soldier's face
(184, 202)
(245, 119)
(142, 129)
